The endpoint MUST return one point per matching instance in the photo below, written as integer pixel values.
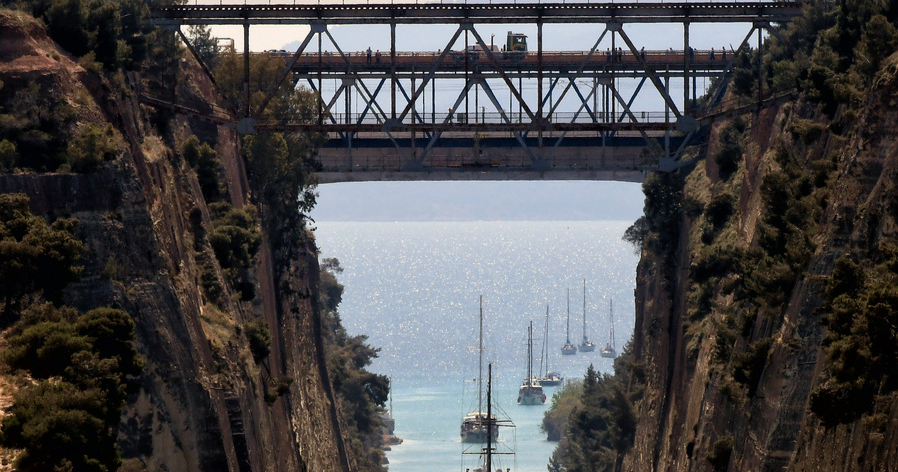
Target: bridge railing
(515, 117)
(658, 59)
(473, 2)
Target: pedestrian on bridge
(712, 54)
(377, 56)
(369, 54)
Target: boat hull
(587, 347)
(474, 428)
(530, 395)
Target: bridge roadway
(239, 13)
(408, 64)
(598, 136)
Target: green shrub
(9, 155)
(719, 211)
(806, 130)
(208, 168)
(65, 417)
(235, 237)
(90, 147)
(719, 455)
(748, 366)
(259, 336)
(730, 152)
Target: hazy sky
(479, 201)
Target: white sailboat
(530, 392)
(474, 425)
(608, 351)
(548, 378)
(585, 346)
(568, 349)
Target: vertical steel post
(246, 111)
(393, 70)
(539, 75)
(686, 65)
(760, 70)
(320, 91)
(467, 112)
(667, 116)
(613, 104)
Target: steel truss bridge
(381, 114)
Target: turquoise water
(413, 289)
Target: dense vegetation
(40, 132)
(833, 57)
(362, 394)
(74, 413)
(595, 418)
(71, 369)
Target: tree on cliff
(362, 394)
(601, 424)
(35, 258)
(65, 418)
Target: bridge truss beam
(602, 114)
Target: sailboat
(548, 378)
(490, 452)
(475, 425)
(568, 349)
(608, 350)
(585, 346)
(530, 392)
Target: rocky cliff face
(730, 376)
(202, 403)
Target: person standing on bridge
(369, 54)
(377, 56)
(711, 57)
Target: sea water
(414, 288)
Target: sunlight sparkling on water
(413, 289)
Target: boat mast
(546, 346)
(480, 363)
(584, 311)
(611, 315)
(568, 316)
(489, 418)
(530, 353)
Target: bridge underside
(623, 158)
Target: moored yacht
(531, 391)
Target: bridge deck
(505, 13)
(525, 64)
